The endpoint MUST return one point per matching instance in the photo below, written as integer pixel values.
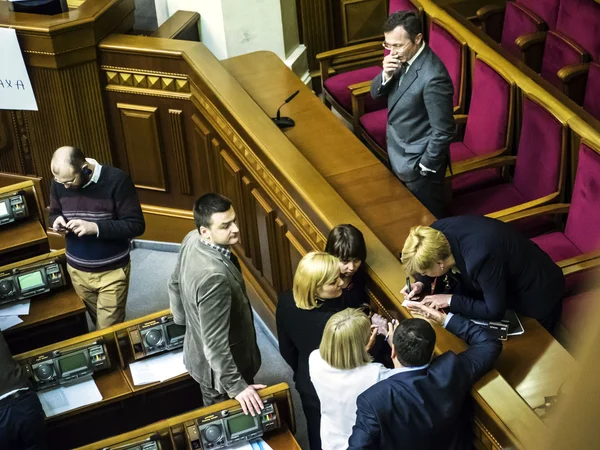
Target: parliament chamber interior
(184, 115)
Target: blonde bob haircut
(314, 271)
(424, 247)
(345, 338)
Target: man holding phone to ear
(420, 110)
(97, 209)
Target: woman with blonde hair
(340, 370)
(486, 266)
(301, 316)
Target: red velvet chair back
(580, 20)
(488, 121)
(558, 53)
(451, 52)
(539, 158)
(584, 215)
(591, 101)
(401, 5)
(546, 9)
(516, 23)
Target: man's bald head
(66, 165)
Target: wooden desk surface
(21, 234)
(51, 307)
(351, 169)
(534, 364)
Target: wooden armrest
(573, 71)
(460, 119)
(556, 208)
(581, 263)
(488, 11)
(350, 50)
(488, 163)
(360, 91)
(528, 40)
(360, 86)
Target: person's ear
(204, 232)
(419, 39)
(393, 355)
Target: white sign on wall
(16, 91)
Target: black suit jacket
(500, 269)
(425, 409)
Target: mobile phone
(408, 286)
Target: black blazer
(425, 409)
(299, 332)
(499, 269)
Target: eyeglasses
(394, 46)
(66, 183)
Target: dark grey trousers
(430, 191)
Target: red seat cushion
(337, 86)
(479, 179)
(517, 22)
(579, 20)
(557, 246)
(460, 152)
(488, 200)
(375, 123)
(558, 53)
(577, 308)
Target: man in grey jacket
(420, 110)
(208, 295)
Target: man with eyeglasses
(97, 209)
(420, 110)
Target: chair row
(559, 39)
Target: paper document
(9, 322)
(157, 368)
(66, 398)
(15, 309)
(258, 444)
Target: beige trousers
(104, 293)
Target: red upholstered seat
(480, 179)
(459, 151)
(557, 245)
(558, 53)
(449, 50)
(537, 172)
(519, 20)
(547, 10)
(337, 86)
(374, 124)
(591, 101)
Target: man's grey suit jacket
(420, 116)
(208, 295)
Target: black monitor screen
(241, 423)
(174, 331)
(4, 208)
(73, 363)
(31, 280)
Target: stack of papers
(9, 314)
(157, 368)
(258, 444)
(66, 398)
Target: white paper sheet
(258, 444)
(66, 398)
(9, 322)
(16, 91)
(157, 368)
(15, 309)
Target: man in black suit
(488, 266)
(420, 110)
(422, 406)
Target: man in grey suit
(420, 110)
(208, 295)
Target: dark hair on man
(407, 20)
(207, 205)
(414, 341)
(346, 242)
(76, 158)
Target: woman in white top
(340, 370)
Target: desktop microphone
(284, 122)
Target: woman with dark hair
(347, 243)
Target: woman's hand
(421, 309)
(437, 301)
(389, 337)
(380, 322)
(372, 338)
(415, 290)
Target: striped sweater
(111, 202)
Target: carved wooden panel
(181, 157)
(284, 275)
(206, 166)
(362, 20)
(253, 244)
(296, 251)
(231, 186)
(143, 146)
(265, 222)
(316, 29)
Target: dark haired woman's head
(347, 243)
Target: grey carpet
(150, 271)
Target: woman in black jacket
(301, 317)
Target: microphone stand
(285, 122)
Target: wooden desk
(22, 240)
(53, 317)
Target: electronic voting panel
(155, 336)
(12, 207)
(26, 282)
